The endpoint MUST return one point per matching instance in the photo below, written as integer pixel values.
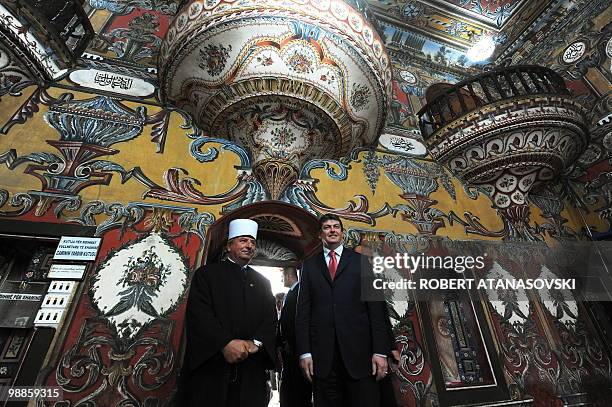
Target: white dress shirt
(338, 250)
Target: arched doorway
(287, 234)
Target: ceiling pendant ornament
(509, 131)
(276, 176)
(289, 81)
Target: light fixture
(481, 50)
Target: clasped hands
(238, 350)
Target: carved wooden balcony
(47, 36)
(507, 130)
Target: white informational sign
(112, 82)
(402, 145)
(77, 248)
(67, 271)
(20, 297)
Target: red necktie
(333, 264)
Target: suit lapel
(323, 268)
(344, 261)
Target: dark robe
(226, 303)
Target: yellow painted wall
(219, 176)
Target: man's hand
(236, 351)
(307, 369)
(379, 367)
(252, 348)
(396, 355)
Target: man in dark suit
(295, 390)
(342, 340)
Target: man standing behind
(230, 328)
(341, 339)
(295, 390)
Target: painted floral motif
(560, 303)
(143, 278)
(283, 137)
(138, 41)
(512, 305)
(371, 170)
(497, 11)
(265, 60)
(506, 183)
(213, 58)
(359, 96)
(300, 63)
(328, 77)
(124, 7)
(458, 29)
(500, 38)
(13, 77)
(140, 283)
(502, 201)
(412, 10)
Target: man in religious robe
(230, 326)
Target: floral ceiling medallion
(214, 58)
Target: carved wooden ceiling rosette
(289, 80)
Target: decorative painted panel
(126, 332)
(131, 30)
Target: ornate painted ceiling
(427, 42)
(441, 31)
(436, 34)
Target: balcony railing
(62, 27)
(454, 101)
(66, 20)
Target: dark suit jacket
(287, 322)
(328, 311)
